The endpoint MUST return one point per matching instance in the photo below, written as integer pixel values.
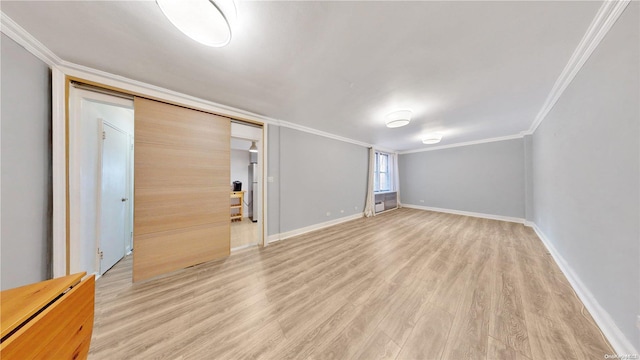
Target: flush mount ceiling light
(431, 139)
(208, 22)
(253, 147)
(398, 118)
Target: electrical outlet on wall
(638, 321)
(270, 179)
(355, 208)
(328, 213)
(421, 201)
(341, 211)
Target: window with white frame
(383, 172)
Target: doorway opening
(246, 186)
(101, 135)
(95, 115)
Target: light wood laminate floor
(407, 284)
(243, 233)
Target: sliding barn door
(182, 177)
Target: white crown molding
(31, 44)
(304, 230)
(192, 101)
(467, 143)
(188, 100)
(606, 16)
(467, 213)
(143, 88)
(611, 331)
(322, 133)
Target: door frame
(62, 78)
(74, 250)
(262, 171)
(129, 208)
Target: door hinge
(101, 254)
(104, 135)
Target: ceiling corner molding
(27, 41)
(325, 134)
(320, 133)
(143, 88)
(384, 149)
(606, 16)
(466, 143)
(35, 47)
(332, 136)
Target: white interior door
(114, 197)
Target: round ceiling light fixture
(208, 22)
(398, 118)
(431, 139)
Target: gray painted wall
(586, 177)
(485, 178)
(25, 149)
(528, 177)
(319, 179)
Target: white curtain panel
(369, 206)
(396, 178)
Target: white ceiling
(471, 70)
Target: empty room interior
(233, 179)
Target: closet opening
(171, 169)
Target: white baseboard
(616, 337)
(304, 230)
(467, 213)
(618, 340)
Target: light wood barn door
(182, 182)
